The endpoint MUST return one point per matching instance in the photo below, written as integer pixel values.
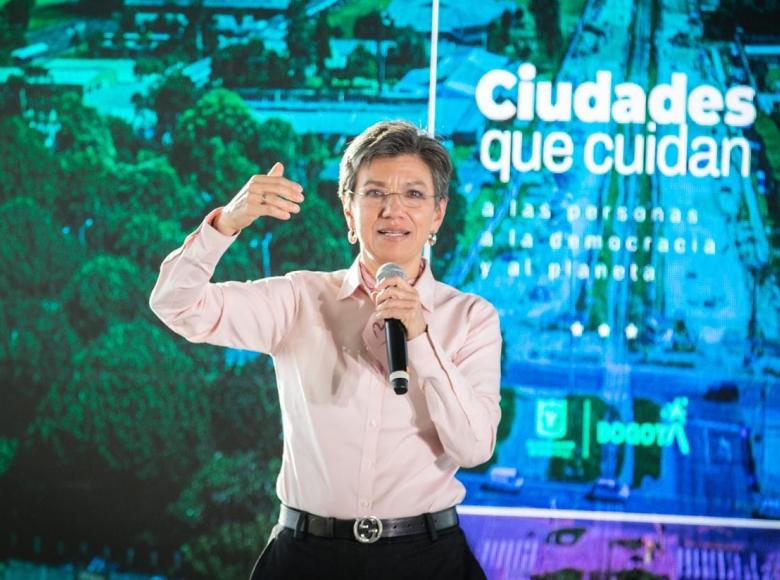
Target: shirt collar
(425, 284)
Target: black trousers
(410, 557)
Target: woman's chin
(396, 255)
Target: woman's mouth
(391, 233)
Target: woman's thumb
(277, 170)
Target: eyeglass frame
(401, 196)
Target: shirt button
(372, 423)
(364, 503)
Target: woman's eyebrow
(374, 182)
(379, 182)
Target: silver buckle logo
(367, 530)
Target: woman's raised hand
(263, 195)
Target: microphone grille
(390, 270)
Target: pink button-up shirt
(352, 447)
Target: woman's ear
(346, 206)
(438, 213)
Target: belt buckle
(367, 530)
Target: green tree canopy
(18, 12)
(152, 185)
(219, 117)
(314, 239)
(235, 486)
(361, 63)
(173, 95)
(82, 128)
(36, 257)
(14, 20)
(443, 253)
(36, 346)
(278, 141)
(135, 399)
(147, 239)
(547, 14)
(243, 65)
(105, 289)
(300, 38)
(411, 51)
(371, 26)
(27, 167)
(200, 34)
(229, 550)
(127, 141)
(323, 32)
(86, 152)
(13, 25)
(220, 142)
(246, 409)
(232, 504)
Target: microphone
(395, 335)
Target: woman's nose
(392, 204)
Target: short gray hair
(392, 139)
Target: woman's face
(388, 230)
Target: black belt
(369, 529)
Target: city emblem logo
(551, 418)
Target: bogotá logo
(664, 433)
(551, 418)
(551, 428)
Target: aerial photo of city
(616, 197)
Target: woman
(367, 481)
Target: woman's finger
(397, 305)
(395, 292)
(258, 202)
(292, 192)
(281, 203)
(394, 282)
(385, 284)
(277, 213)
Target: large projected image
(615, 197)
(628, 244)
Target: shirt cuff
(424, 358)
(212, 217)
(207, 244)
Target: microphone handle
(398, 375)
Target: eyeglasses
(376, 196)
